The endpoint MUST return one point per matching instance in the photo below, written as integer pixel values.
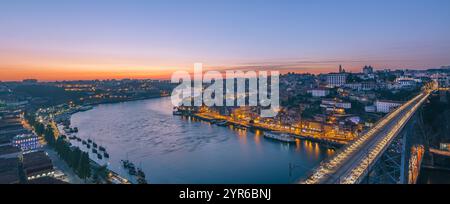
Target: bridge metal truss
(393, 166)
(390, 168)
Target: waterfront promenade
(296, 132)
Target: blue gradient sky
(139, 39)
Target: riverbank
(94, 150)
(114, 177)
(253, 127)
(61, 165)
(111, 102)
(127, 100)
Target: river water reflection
(173, 149)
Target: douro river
(175, 149)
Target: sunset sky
(99, 39)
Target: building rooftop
(7, 137)
(36, 162)
(8, 149)
(10, 120)
(16, 129)
(5, 125)
(9, 171)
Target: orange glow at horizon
(57, 67)
(60, 74)
(52, 74)
(45, 65)
(14, 67)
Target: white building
(385, 106)
(344, 105)
(370, 109)
(336, 79)
(406, 82)
(365, 86)
(319, 92)
(332, 104)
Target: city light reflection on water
(174, 149)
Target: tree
(84, 168)
(100, 174)
(39, 128)
(78, 160)
(49, 135)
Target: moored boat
(222, 123)
(283, 137)
(240, 127)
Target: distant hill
(56, 95)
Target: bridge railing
(364, 138)
(403, 122)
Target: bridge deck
(350, 164)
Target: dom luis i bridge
(391, 152)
